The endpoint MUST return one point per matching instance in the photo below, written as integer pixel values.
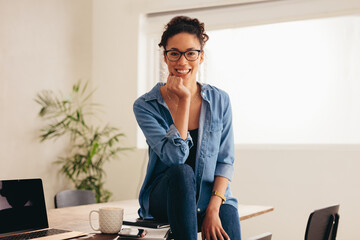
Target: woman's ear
(201, 57)
(165, 58)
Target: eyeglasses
(175, 55)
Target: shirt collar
(154, 93)
(205, 91)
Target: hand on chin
(175, 85)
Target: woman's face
(183, 68)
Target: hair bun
(181, 24)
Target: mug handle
(92, 211)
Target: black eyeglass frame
(182, 53)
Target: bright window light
(290, 83)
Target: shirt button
(198, 209)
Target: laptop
(23, 212)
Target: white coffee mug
(110, 219)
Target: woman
(188, 127)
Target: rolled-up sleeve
(164, 140)
(225, 161)
(173, 135)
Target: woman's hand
(175, 86)
(211, 228)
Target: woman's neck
(193, 88)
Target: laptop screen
(22, 206)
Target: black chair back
(323, 224)
(69, 198)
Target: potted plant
(90, 146)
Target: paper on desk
(153, 234)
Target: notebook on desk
(148, 223)
(23, 212)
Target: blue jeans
(173, 199)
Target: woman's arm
(181, 119)
(164, 140)
(175, 86)
(211, 227)
(220, 185)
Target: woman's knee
(181, 171)
(181, 176)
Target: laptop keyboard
(37, 234)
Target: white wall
(114, 72)
(51, 44)
(43, 45)
(297, 180)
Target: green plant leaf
(90, 146)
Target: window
(293, 77)
(295, 82)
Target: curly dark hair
(181, 24)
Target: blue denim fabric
(215, 151)
(173, 199)
(230, 221)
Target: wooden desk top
(77, 218)
(249, 211)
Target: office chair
(70, 198)
(323, 224)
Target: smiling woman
(183, 121)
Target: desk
(77, 218)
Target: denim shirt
(215, 151)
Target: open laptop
(23, 212)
